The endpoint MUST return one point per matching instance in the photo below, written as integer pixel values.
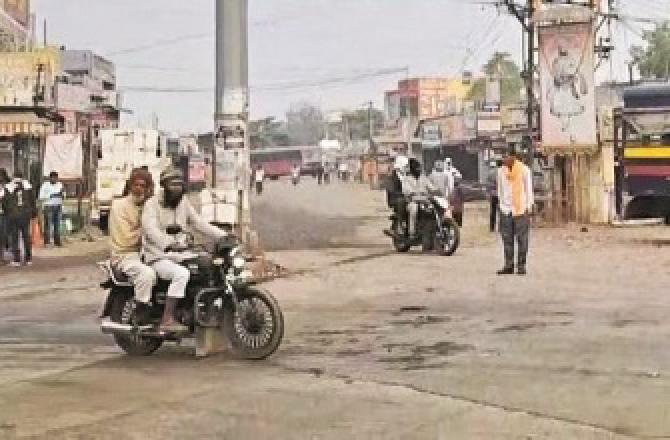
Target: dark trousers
(458, 218)
(495, 206)
(52, 217)
(259, 188)
(512, 228)
(4, 234)
(19, 228)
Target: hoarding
(19, 10)
(567, 86)
(19, 73)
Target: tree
(653, 58)
(268, 132)
(355, 123)
(500, 65)
(305, 124)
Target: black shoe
(506, 271)
(522, 270)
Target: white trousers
(142, 276)
(177, 275)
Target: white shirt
(260, 175)
(505, 191)
(48, 190)
(420, 186)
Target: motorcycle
(220, 294)
(437, 228)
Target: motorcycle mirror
(173, 229)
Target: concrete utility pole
(373, 150)
(231, 162)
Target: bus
(276, 162)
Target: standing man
(259, 177)
(4, 180)
(515, 191)
(492, 190)
(51, 197)
(20, 208)
(319, 173)
(125, 234)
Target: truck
(119, 152)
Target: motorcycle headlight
(239, 262)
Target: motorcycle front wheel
(256, 327)
(447, 243)
(124, 311)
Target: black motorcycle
(437, 230)
(220, 294)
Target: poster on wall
(567, 86)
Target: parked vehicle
(437, 229)
(220, 294)
(276, 162)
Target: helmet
(171, 173)
(400, 162)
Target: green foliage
(653, 58)
(502, 66)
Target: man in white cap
(161, 250)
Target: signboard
(18, 76)
(567, 86)
(19, 10)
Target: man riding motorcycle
(416, 186)
(125, 234)
(163, 251)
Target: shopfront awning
(24, 123)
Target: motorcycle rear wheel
(254, 330)
(123, 311)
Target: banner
(64, 155)
(567, 86)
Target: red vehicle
(276, 162)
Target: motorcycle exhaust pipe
(115, 328)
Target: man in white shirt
(51, 197)
(259, 177)
(515, 194)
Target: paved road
(378, 345)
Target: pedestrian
(20, 208)
(319, 173)
(443, 180)
(492, 192)
(515, 193)
(52, 194)
(4, 180)
(457, 202)
(259, 176)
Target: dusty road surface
(378, 345)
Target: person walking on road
(259, 177)
(20, 207)
(4, 233)
(492, 190)
(51, 197)
(319, 173)
(515, 192)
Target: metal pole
(232, 102)
(529, 85)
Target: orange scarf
(515, 177)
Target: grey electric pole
(231, 162)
